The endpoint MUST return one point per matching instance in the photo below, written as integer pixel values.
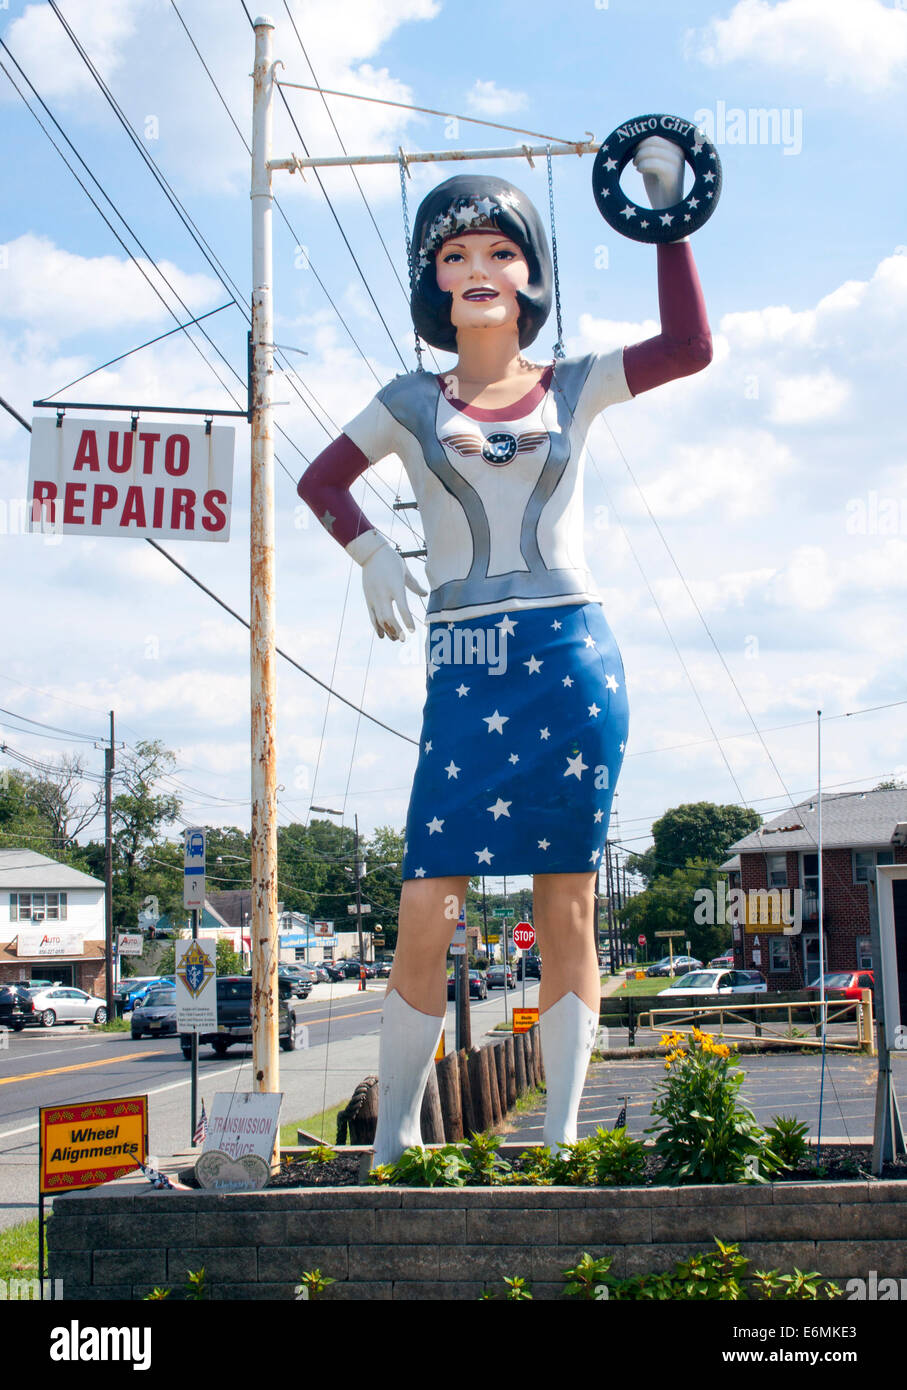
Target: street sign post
(524, 940)
(194, 868)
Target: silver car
(66, 1004)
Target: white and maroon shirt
(500, 492)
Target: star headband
(467, 215)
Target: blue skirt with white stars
(523, 736)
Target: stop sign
(641, 940)
(524, 936)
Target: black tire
(288, 1044)
(137, 1037)
(100, 1016)
(186, 1051)
(17, 1027)
(220, 1048)
(48, 1018)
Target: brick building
(858, 833)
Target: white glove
(661, 164)
(385, 579)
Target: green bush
(702, 1131)
(607, 1158)
(787, 1137)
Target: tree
(669, 904)
(140, 815)
(699, 830)
(891, 784)
(60, 797)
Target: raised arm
(684, 344)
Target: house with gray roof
(51, 922)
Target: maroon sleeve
(684, 344)
(325, 486)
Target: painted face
(483, 271)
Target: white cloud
(799, 399)
(40, 43)
(60, 294)
(730, 479)
(861, 43)
(488, 99)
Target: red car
(845, 984)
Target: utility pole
(356, 868)
(109, 756)
(262, 617)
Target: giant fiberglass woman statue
(519, 755)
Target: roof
(28, 871)
(850, 820)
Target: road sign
(668, 933)
(524, 1019)
(103, 478)
(194, 868)
(86, 1144)
(641, 939)
(363, 907)
(458, 943)
(502, 912)
(524, 936)
(130, 943)
(196, 986)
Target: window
(777, 870)
(864, 953)
(779, 954)
(865, 861)
(37, 907)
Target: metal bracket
(404, 160)
(528, 153)
(60, 414)
(135, 421)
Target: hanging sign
(194, 868)
(104, 478)
(196, 985)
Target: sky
(747, 527)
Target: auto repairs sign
(84, 1145)
(104, 478)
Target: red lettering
(42, 506)
(126, 461)
(182, 506)
(217, 520)
(87, 453)
(157, 519)
(149, 441)
(105, 497)
(133, 508)
(73, 503)
(175, 466)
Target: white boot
(568, 1032)
(409, 1041)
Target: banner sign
(39, 941)
(104, 478)
(196, 985)
(130, 943)
(86, 1144)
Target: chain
(559, 345)
(409, 249)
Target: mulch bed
(841, 1163)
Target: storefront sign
(244, 1122)
(130, 943)
(51, 941)
(196, 985)
(524, 1019)
(86, 1144)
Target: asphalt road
(41, 1067)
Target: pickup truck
(234, 1016)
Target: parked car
(321, 974)
(533, 967)
(845, 984)
(478, 988)
(351, 970)
(334, 969)
(494, 977)
(383, 969)
(299, 979)
(717, 982)
(156, 1014)
(725, 962)
(66, 1004)
(17, 1007)
(680, 965)
(134, 987)
(234, 1016)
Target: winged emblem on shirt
(498, 448)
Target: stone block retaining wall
(395, 1243)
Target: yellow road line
(336, 1018)
(81, 1066)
